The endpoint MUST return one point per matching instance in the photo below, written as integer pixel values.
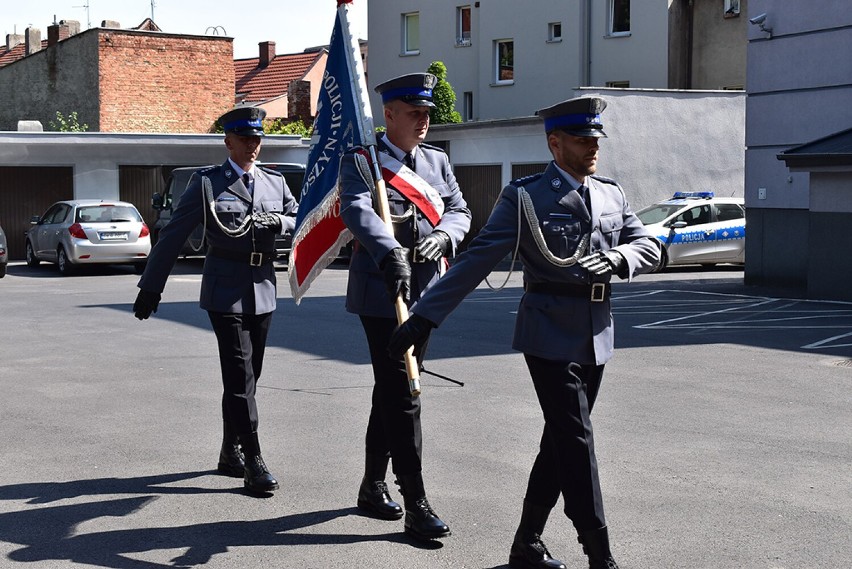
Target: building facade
(799, 87)
(119, 80)
(506, 59)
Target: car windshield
(657, 213)
(107, 214)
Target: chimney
(56, 33)
(12, 40)
(267, 53)
(299, 101)
(73, 26)
(32, 39)
(110, 24)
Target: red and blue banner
(344, 120)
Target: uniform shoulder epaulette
(208, 170)
(270, 171)
(431, 147)
(604, 179)
(526, 179)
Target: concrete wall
(658, 142)
(63, 78)
(96, 157)
(719, 46)
(799, 90)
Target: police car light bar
(704, 195)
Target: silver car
(79, 232)
(4, 253)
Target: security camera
(757, 20)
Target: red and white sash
(404, 180)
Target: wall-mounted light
(760, 22)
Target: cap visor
(248, 132)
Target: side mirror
(34, 220)
(679, 225)
(157, 201)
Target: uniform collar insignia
(228, 173)
(556, 183)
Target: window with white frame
(463, 26)
(504, 62)
(619, 17)
(554, 31)
(732, 8)
(411, 33)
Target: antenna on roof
(88, 19)
(153, 4)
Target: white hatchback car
(697, 228)
(78, 232)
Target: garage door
(26, 191)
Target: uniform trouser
(566, 459)
(394, 426)
(242, 341)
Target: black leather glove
(397, 273)
(267, 220)
(413, 332)
(433, 246)
(146, 303)
(604, 262)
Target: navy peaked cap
(580, 116)
(245, 121)
(414, 89)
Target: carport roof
(832, 150)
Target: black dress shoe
(231, 461)
(374, 498)
(257, 478)
(532, 555)
(422, 522)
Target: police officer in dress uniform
(385, 264)
(577, 232)
(242, 207)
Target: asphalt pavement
(723, 430)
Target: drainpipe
(587, 23)
(690, 16)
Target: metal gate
(26, 191)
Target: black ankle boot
(421, 521)
(596, 546)
(231, 459)
(256, 476)
(528, 551)
(373, 494)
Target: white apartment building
(508, 58)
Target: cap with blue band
(580, 116)
(244, 121)
(414, 89)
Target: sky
(292, 24)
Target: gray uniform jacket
(366, 294)
(226, 285)
(549, 326)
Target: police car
(697, 228)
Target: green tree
(68, 124)
(281, 126)
(443, 96)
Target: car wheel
(664, 262)
(2, 270)
(65, 266)
(32, 260)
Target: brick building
(118, 80)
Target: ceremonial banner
(344, 120)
